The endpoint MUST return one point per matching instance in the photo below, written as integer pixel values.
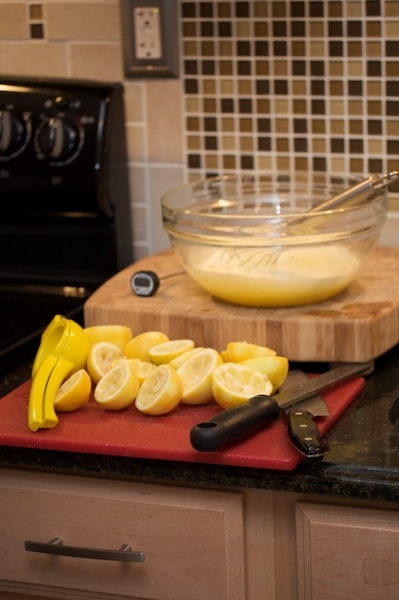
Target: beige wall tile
(162, 179)
(140, 222)
(134, 101)
(96, 61)
(33, 59)
(136, 142)
(165, 121)
(138, 177)
(390, 230)
(83, 21)
(13, 22)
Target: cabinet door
(192, 540)
(347, 553)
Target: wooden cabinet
(192, 540)
(347, 553)
(197, 543)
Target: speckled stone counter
(362, 460)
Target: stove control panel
(46, 125)
(62, 144)
(58, 140)
(15, 133)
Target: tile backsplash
(264, 86)
(291, 86)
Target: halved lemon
(140, 344)
(179, 360)
(275, 367)
(74, 392)
(196, 375)
(234, 384)
(115, 334)
(164, 353)
(142, 368)
(118, 388)
(160, 392)
(239, 351)
(100, 358)
(225, 355)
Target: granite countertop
(362, 460)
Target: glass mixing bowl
(249, 241)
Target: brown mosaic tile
(290, 85)
(36, 31)
(228, 143)
(229, 163)
(228, 125)
(356, 127)
(209, 86)
(212, 162)
(260, 9)
(36, 12)
(224, 9)
(392, 128)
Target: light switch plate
(150, 38)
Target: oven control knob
(13, 134)
(58, 140)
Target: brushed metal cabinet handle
(56, 546)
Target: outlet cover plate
(164, 63)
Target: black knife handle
(305, 434)
(234, 423)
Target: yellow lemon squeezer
(63, 350)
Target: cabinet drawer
(192, 540)
(347, 552)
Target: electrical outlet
(150, 38)
(147, 32)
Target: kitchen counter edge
(362, 461)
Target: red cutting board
(130, 433)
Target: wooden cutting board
(128, 432)
(358, 324)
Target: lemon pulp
(234, 384)
(118, 388)
(168, 351)
(101, 358)
(160, 392)
(74, 392)
(196, 375)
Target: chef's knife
(302, 429)
(234, 423)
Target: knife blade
(302, 429)
(232, 424)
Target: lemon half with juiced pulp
(168, 351)
(118, 388)
(275, 367)
(115, 334)
(196, 375)
(239, 351)
(234, 384)
(140, 344)
(101, 358)
(74, 392)
(160, 392)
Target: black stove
(65, 224)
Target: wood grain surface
(359, 324)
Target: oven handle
(56, 547)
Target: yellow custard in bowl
(296, 277)
(251, 241)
